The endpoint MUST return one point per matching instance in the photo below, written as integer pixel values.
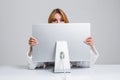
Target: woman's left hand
(89, 41)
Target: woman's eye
(54, 20)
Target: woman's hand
(33, 41)
(89, 41)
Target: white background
(17, 17)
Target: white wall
(17, 17)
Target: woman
(58, 16)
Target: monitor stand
(62, 62)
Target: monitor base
(62, 62)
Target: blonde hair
(59, 11)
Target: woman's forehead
(57, 15)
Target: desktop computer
(71, 35)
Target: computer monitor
(48, 34)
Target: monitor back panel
(48, 34)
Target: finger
(90, 37)
(33, 38)
(32, 43)
(89, 40)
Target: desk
(97, 72)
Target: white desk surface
(97, 72)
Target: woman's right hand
(33, 41)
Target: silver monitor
(48, 34)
